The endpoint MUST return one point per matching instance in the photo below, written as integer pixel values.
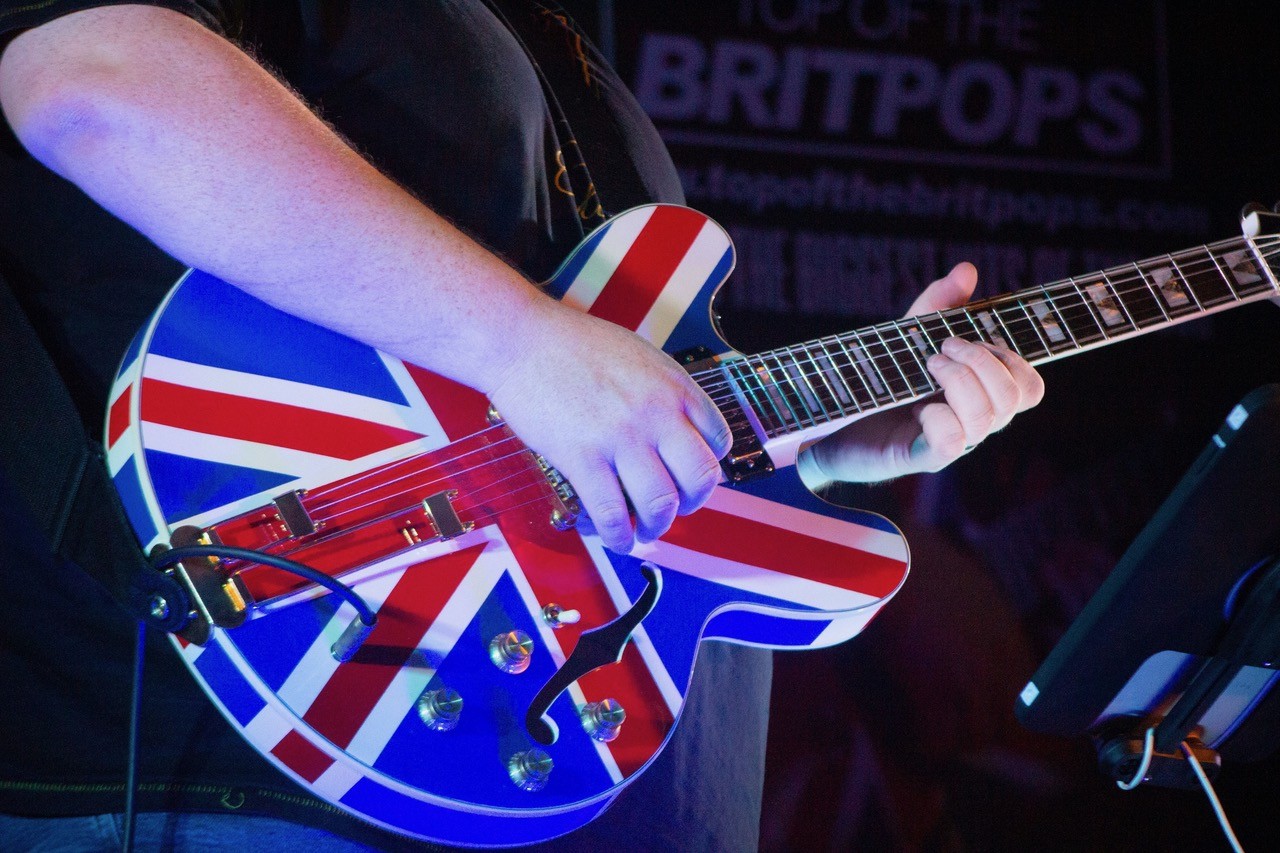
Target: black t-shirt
(476, 106)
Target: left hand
(983, 387)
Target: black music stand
(1184, 635)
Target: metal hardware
(159, 608)
(564, 516)
(444, 517)
(218, 597)
(511, 652)
(557, 616)
(603, 720)
(440, 709)
(530, 769)
(492, 416)
(294, 515)
(350, 641)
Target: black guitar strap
(59, 474)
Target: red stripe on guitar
(265, 422)
(118, 418)
(751, 543)
(460, 410)
(561, 571)
(302, 756)
(347, 699)
(638, 281)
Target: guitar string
(888, 351)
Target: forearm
(183, 136)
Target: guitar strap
(59, 475)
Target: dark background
(905, 738)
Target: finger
(1030, 382)
(600, 493)
(942, 438)
(995, 397)
(693, 468)
(653, 495)
(966, 397)
(710, 422)
(950, 291)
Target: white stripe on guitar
(685, 284)
(840, 531)
(754, 579)
(605, 258)
(401, 695)
(286, 392)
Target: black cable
(135, 712)
(177, 555)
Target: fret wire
(804, 374)
(1186, 281)
(795, 389)
(833, 360)
(853, 365)
(889, 351)
(1090, 307)
(862, 348)
(1265, 272)
(1222, 272)
(943, 317)
(1035, 327)
(977, 330)
(821, 374)
(781, 419)
(1154, 295)
(1062, 321)
(1013, 343)
(932, 386)
(1124, 308)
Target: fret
(865, 380)
(1090, 309)
(906, 388)
(773, 394)
(1054, 327)
(1109, 307)
(831, 375)
(826, 396)
(978, 335)
(1153, 291)
(1242, 266)
(1020, 329)
(1204, 284)
(757, 397)
(925, 383)
(1175, 288)
(869, 363)
(1139, 306)
(991, 327)
(789, 389)
(935, 329)
(1223, 274)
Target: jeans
(166, 831)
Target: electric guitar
(519, 675)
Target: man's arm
(183, 136)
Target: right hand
(615, 416)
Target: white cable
(1213, 798)
(1148, 748)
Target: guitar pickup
(444, 517)
(293, 514)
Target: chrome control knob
(530, 770)
(511, 652)
(440, 709)
(603, 720)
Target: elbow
(64, 115)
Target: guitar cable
(366, 618)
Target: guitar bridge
(567, 509)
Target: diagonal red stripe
(265, 422)
(118, 418)
(302, 756)
(414, 603)
(729, 537)
(460, 410)
(561, 571)
(638, 281)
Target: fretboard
(816, 382)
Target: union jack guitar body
(234, 423)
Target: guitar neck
(806, 388)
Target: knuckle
(662, 506)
